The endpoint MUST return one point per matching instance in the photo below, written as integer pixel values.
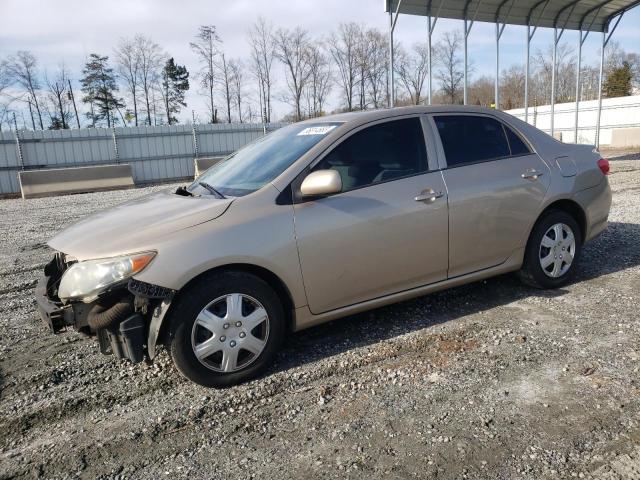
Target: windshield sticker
(317, 130)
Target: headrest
(339, 157)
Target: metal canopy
(591, 15)
(584, 16)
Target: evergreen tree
(618, 83)
(175, 83)
(57, 124)
(100, 88)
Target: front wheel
(552, 251)
(225, 329)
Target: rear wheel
(225, 329)
(552, 251)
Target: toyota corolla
(319, 220)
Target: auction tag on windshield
(317, 130)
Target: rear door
(496, 185)
(386, 231)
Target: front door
(386, 231)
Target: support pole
(499, 30)
(575, 122)
(553, 77)
(604, 43)
(429, 59)
(115, 144)
(194, 134)
(73, 99)
(392, 25)
(530, 35)
(605, 40)
(431, 24)
(464, 89)
(497, 82)
(390, 93)
(468, 24)
(18, 146)
(526, 77)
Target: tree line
(139, 83)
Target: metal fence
(156, 154)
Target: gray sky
(68, 30)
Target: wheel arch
(273, 280)
(571, 207)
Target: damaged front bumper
(126, 319)
(56, 316)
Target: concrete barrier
(625, 137)
(203, 163)
(60, 181)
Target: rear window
(471, 139)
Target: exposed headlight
(85, 280)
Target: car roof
(364, 116)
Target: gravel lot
(489, 380)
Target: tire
(230, 298)
(533, 273)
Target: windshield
(261, 161)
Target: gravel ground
(489, 380)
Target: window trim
(444, 165)
(295, 184)
(506, 126)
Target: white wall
(621, 112)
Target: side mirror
(321, 182)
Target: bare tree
(128, 68)
(482, 92)
(378, 67)
(23, 70)
(224, 81)
(262, 55)
(512, 87)
(60, 98)
(292, 49)
(413, 69)
(634, 61)
(5, 101)
(319, 84)
(150, 61)
(364, 56)
(343, 46)
(4, 76)
(450, 71)
(236, 69)
(565, 75)
(206, 48)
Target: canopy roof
(592, 15)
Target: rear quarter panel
(587, 185)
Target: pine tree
(618, 83)
(100, 88)
(175, 83)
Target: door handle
(532, 175)
(428, 196)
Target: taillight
(603, 165)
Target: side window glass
(518, 147)
(378, 154)
(471, 138)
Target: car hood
(135, 225)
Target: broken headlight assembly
(86, 280)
